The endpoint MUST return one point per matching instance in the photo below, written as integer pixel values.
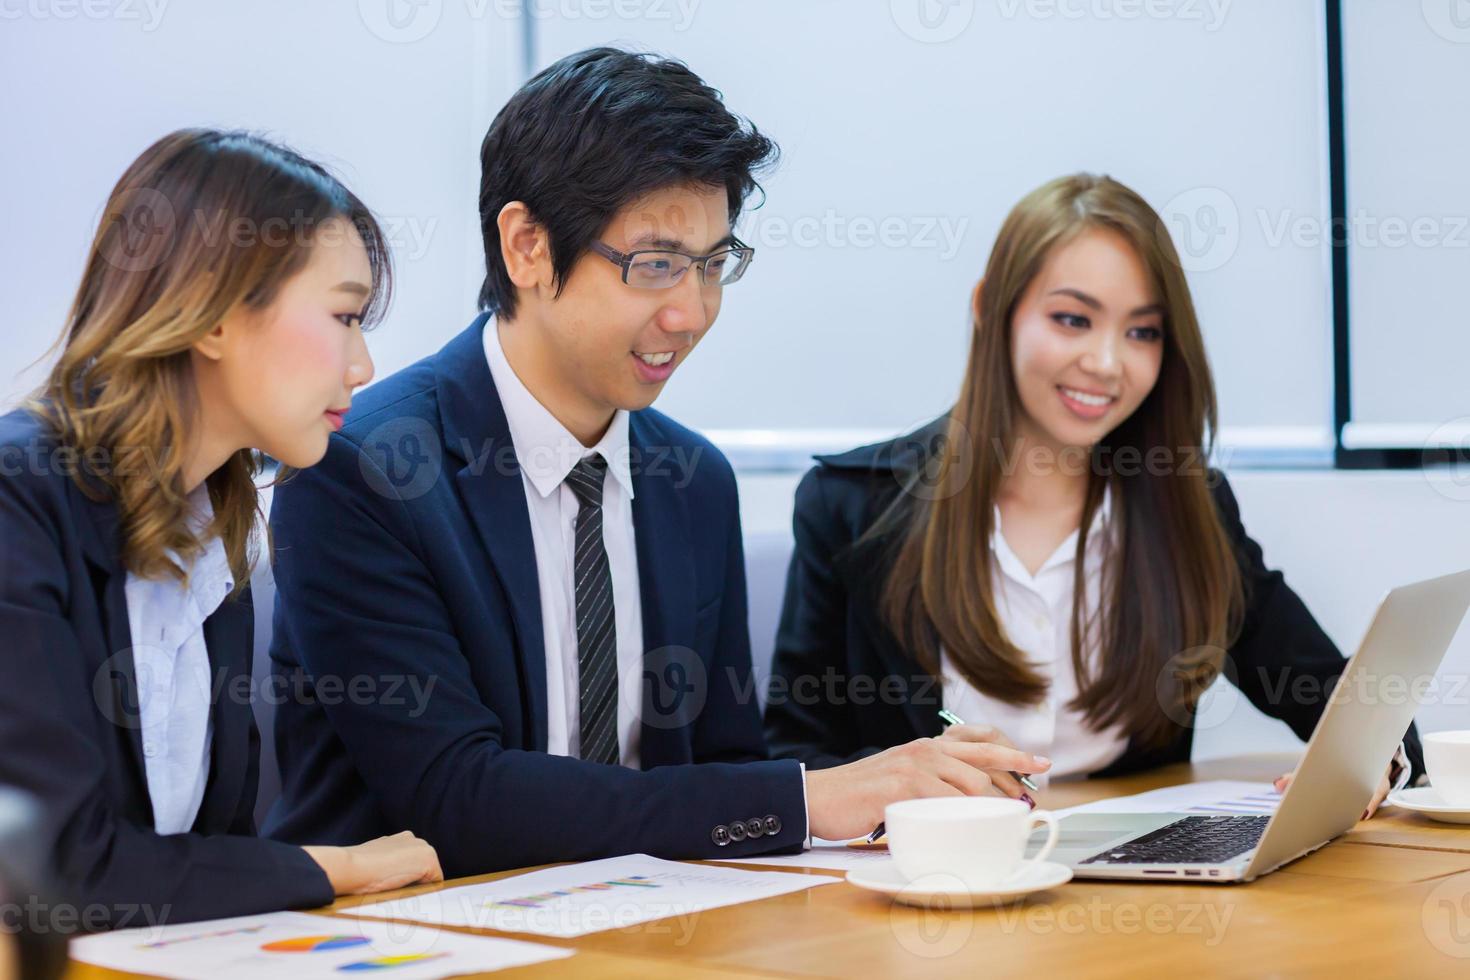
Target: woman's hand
(379, 865)
(1001, 779)
(1284, 780)
(848, 801)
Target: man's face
(617, 344)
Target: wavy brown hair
(202, 223)
(1171, 597)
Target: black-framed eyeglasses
(661, 268)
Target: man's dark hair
(594, 132)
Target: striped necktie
(597, 643)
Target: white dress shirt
(1036, 613)
(547, 452)
(166, 622)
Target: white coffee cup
(1447, 757)
(980, 840)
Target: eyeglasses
(661, 269)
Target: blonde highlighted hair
(202, 223)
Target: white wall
(399, 117)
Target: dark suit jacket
(830, 628)
(405, 561)
(70, 721)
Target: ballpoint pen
(950, 718)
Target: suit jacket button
(773, 824)
(737, 831)
(720, 835)
(754, 827)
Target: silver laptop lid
(1366, 717)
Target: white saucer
(1426, 800)
(947, 891)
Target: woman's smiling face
(1087, 341)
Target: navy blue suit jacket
(70, 718)
(405, 565)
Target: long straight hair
(1171, 600)
(202, 223)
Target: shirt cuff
(807, 844)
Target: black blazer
(831, 638)
(70, 720)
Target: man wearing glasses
(507, 530)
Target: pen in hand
(950, 718)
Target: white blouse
(166, 621)
(1036, 613)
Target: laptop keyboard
(1192, 840)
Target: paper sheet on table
(1210, 796)
(583, 898)
(833, 854)
(303, 947)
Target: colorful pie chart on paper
(314, 944)
(388, 962)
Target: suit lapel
(491, 487)
(227, 637)
(116, 684)
(856, 568)
(666, 581)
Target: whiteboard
(1406, 86)
(934, 118)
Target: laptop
(1344, 762)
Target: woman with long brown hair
(1053, 561)
(219, 318)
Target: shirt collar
(544, 448)
(175, 609)
(210, 578)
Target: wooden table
(1390, 898)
